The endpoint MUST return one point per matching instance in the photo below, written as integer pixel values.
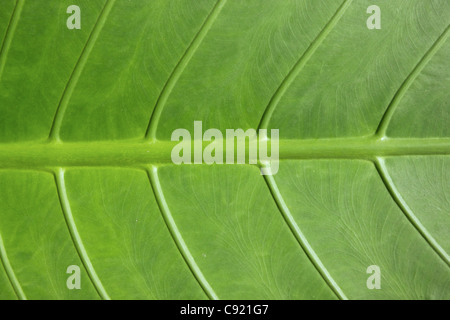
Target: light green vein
(301, 239)
(78, 243)
(10, 34)
(176, 235)
(10, 272)
(129, 153)
(395, 194)
(384, 123)
(179, 68)
(78, 69)
(293, 73)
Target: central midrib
(137, 152)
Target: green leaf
(87, 180)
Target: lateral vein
(10, 272)
(78, 243)
(386, 119)
(176, 235)
(298, 67)
(179, 69)
(78, 69)
(10, 31)
(301, 239)
(401, 203)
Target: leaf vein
(78, 69)
(179, 69)
(300, 64)
(10, 31)
(301, 239)
(176, 235)
(75, 236)
(10, 272)
(401, 203)
(386, 119)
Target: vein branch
(176, 235)
(301, 239)
(179, 68)
(10, 272)
(387, 117)
(397, 197)
(77, 71)
(78, 243)
(301, 63)
(10, 34)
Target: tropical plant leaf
(86, 177)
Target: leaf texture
(86, 176)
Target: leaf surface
(86, 176)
